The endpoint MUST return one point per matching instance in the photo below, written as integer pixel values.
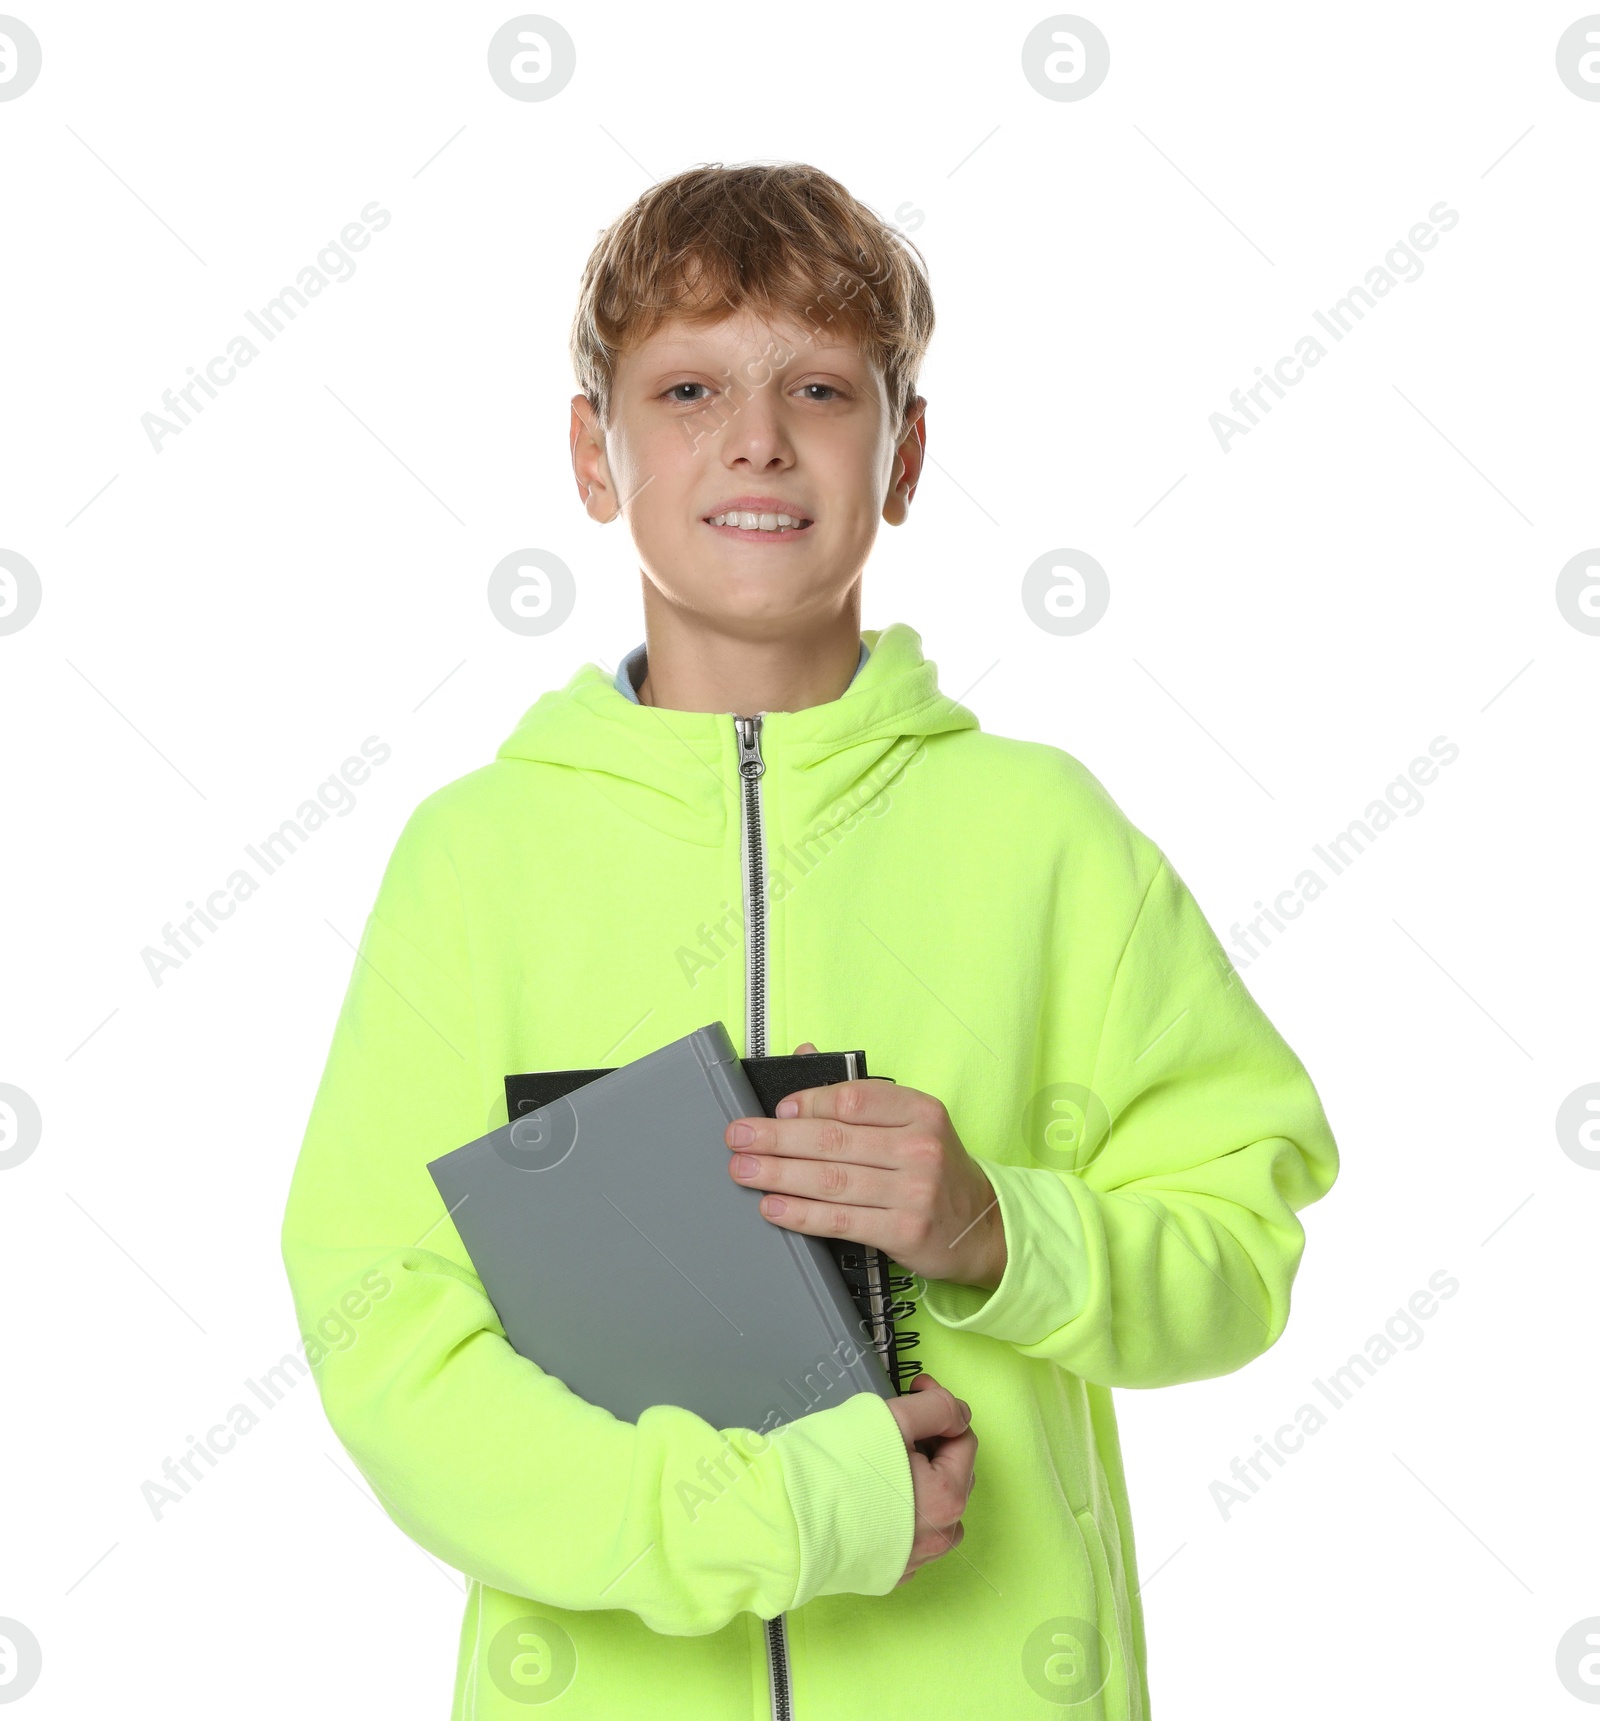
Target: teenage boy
(1091, 1158)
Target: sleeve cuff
(1047, 1274)
(849, 1482)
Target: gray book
(622, 1258)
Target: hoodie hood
(678, 770)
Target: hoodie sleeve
(476, 1453)
(1168, 1255)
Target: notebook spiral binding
(875, 1290)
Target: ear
(908, 458)
(589, 465)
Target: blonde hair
(781, 238)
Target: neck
(691, 666)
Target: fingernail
(741, 1135)
(744, 1165)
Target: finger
(939, 1539)
(955, 1461)
(920, 1382)
(804, 1046)
(868, 1099)
(945, 1491)
(923, 1381)
(826, 1139)
(823, 1181)
(839, 1224)
(933, 1540)
(934, 1411)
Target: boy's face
(703, 417)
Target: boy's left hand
(875, 1162)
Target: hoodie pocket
(1078, 1661)
(1118, 1697)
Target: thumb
(805, 1046)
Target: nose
(754, 431)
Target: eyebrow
(668, 356)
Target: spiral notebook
(622, 1258)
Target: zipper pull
(751, 764)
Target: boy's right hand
(942, 1466)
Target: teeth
(756, 522)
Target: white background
(304, 566)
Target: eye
(826, 387)
(673, 395)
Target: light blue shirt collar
(630, 672)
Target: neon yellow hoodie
(978, 914)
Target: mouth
(754, 526)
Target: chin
(735, 588)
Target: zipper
(753, 866)
(778, 1668)
(751, 766)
